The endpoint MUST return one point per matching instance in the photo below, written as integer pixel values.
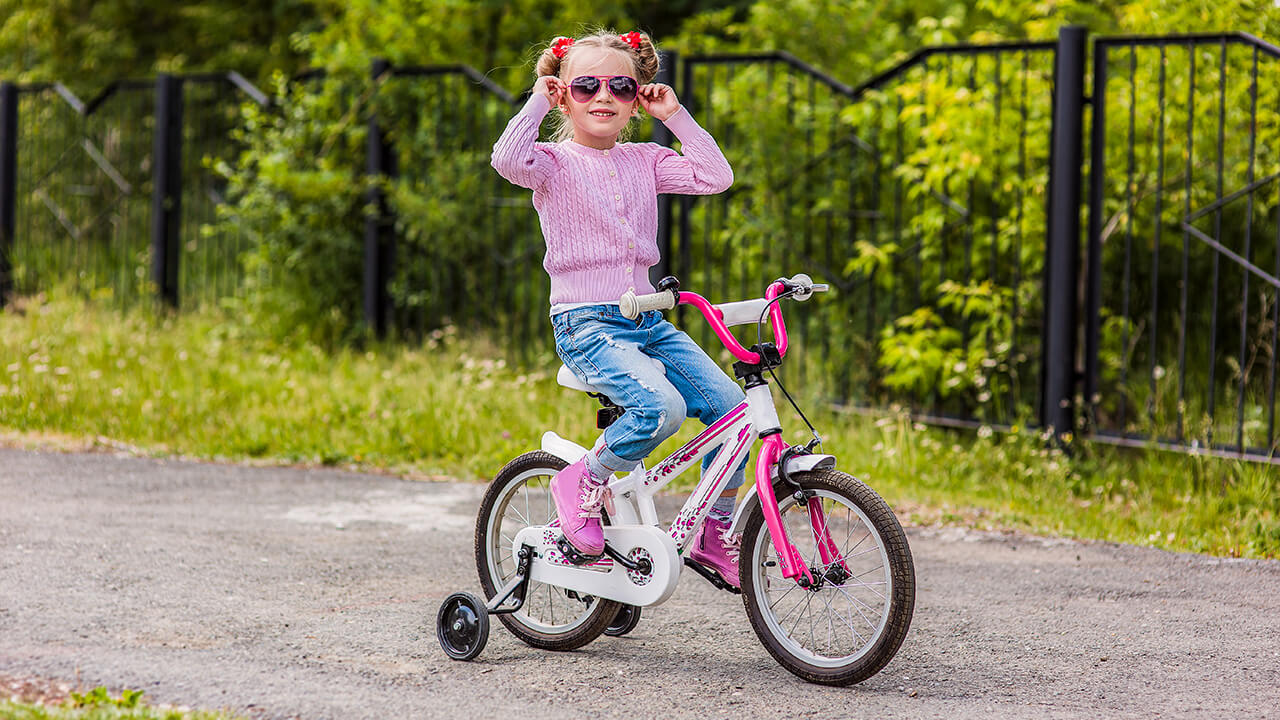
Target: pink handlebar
(716, 319)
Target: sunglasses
(622, 87)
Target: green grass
(77, 375)
(98, 704)
(25, 711)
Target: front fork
(792, 564)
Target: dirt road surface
(312, 593)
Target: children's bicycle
(826, 574)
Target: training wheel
(462, 626)
(624, 622)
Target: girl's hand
(550, 86)
(658, 100)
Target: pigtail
(548, 62)
(647, 61)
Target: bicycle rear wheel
(850, 624)
(518, 497)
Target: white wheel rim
(859, 608)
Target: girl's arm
(516, 157)
(702, 170)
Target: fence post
(378, 223)
(1062, 246)
(667, 75)
(8, 185)
(166, 188)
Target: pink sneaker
(716, 549)
(579, 496)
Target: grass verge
(37, 700)
(76, 375)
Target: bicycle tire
(536, 623)
(854, 512)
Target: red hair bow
(632, 39)
(561, 46)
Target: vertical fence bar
(1155, 253)
(1017, 235)
(686, 201)
(1062, 240)
(1217, 237)
(166, 192)
(1248, 253)
(897, 203)
(667, 60)
(1126, 284)
(8, 185)
(1186, 244)
(1097, 213)
(1275, 343)
(378, 223)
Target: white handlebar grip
(632, 305)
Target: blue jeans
(609, 351)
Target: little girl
(597, 202)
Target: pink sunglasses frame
(604, 81)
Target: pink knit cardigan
(599, 208)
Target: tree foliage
(86, 44)
(932, 185)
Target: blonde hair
(644, 57)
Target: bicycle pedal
(711, 576)
(572, 554)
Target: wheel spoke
(523, 518)
(857, 602)
(784, 595)
(783, 618)
(848, 621)
(808, 598)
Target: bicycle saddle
(566, 378)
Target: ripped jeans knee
(648, 367)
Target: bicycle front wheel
(851, 621)
(518, 497)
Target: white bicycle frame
(633, 528)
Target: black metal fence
(1181, 309)
(941, 199)
(112, 194)
(836, 185)
(466, 243)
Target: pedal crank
(572, 554)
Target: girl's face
(597, 121)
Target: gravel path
(312, 593)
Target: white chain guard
(604, 577)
